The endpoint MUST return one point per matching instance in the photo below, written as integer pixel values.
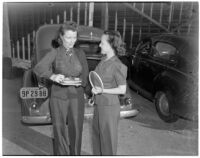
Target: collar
(111, 59)
(64, 51)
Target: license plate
(33, 92)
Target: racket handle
(91, 101)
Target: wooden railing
(22, 49)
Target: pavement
(143, 135)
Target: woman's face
(69, 38)
(105, 46)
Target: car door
(144, 70)
(155, 58)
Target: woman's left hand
(97, 90)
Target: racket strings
(95, 81)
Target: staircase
(133, 20)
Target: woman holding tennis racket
(66, 101)
(111, 82)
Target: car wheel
(163, 103)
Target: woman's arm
(44, 67)
(121, 89)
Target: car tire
(163, 103)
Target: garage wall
(143, 18)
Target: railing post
(71, 14)
(124, 29)
(151, 15)
(140, 33)
(29, 47)
(51, 21)
(34, 35)
(78, 13)
(151, 10)
(180, 14)
(170, 15)
(65, 16)
(23, 49)
(116, 21)
(142, 7)
(91, 13)
(161, 13)
(132, 29)
(58, 19)
(18, 49)
(85, 13)
(191, 13)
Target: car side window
(164, 51)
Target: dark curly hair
(69, 25)
(115, 40)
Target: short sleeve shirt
(113, 73)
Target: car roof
(46, 33)
(182, 43)
(187, 46)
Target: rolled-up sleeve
(44, 67)
(120, 74)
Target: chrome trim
(36, 119)
(93, 58)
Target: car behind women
(165, 70)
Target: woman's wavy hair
(115, 40)
(69, 25)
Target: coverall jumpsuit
(66, 102)
(107, 107)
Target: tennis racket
(95, 81)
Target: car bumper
(36, 119)
(124, 113)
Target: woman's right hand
(97, 90)
(57, 77)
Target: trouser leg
(59, 110)
(96, 134)
(108, 123)
(75, 121)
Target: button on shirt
(113, 73)
(67, 63)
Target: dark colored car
(165, 70)
(35, 91)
